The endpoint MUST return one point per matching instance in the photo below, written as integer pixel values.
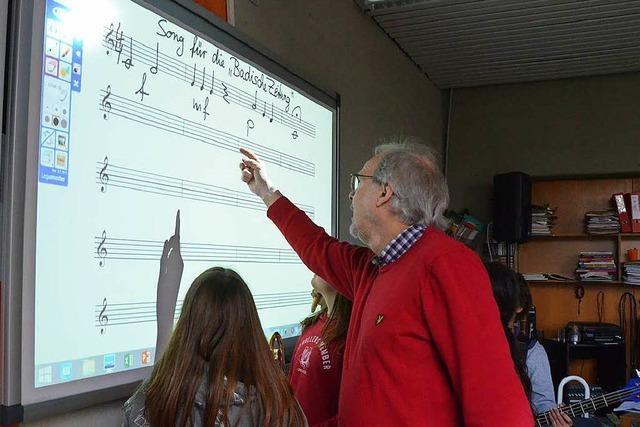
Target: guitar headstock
(633, 384)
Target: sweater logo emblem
(379, 319)
(304, 359)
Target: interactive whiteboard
(141, 116)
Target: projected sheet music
(141, 118)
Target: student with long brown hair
(508, 293)
(316, 365)
(217, 369)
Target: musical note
(103, 319)
(255, 101)
(106, 105)
(250, 125)
(154, 68)
(203, 75)
(128, 63)
(297, 113)
(101, 250)
(141, 90)
(213, 80)
(271, 119)
(264, 109)
(193, 81)
(104, 177)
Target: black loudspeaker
(512, 207)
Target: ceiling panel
(461, 43)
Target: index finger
(250, 154)
(177, 232)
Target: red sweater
(315, 372)
(425, 345)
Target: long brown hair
(338, 323)
(506, 291)
(218, 335)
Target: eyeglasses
(355, 180)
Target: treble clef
(103, 319)
(101, 250)
(106, 105)
(104, 177)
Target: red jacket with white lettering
(315, 373)
(425, 346)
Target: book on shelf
(545, 276)
(602, 222)
(596, 266)
(631, 272)
(542, 219)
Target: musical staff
(173, 67)
(145, 312)
(151, 250)
(165, 185)
(169, 122)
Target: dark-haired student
(217, 369)
(509, 295)
(316, 365)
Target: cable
(600, 306)
(488, 238)
(629, 328)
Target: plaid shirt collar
(398, 246)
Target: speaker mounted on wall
(512, 207)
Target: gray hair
(419, 187)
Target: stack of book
(602, 222)
(542, 218)
(462, 226)
(596, 266)
(631, 272)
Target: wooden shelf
(585, 236)
(577, 282)
(575, 236)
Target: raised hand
(255, 175)
(171, 267)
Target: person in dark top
(532, 369)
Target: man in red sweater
(425, 346)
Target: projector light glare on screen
(141, 118)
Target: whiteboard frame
(19, 200)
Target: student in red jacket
(425, 345)
(316, 365)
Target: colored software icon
(66, 371)
(88, 367)
(109, 362)
(45, 375)
(66, 52)
(51, 66)
(128, 360)
(146, 357)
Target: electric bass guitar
(630, 392)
